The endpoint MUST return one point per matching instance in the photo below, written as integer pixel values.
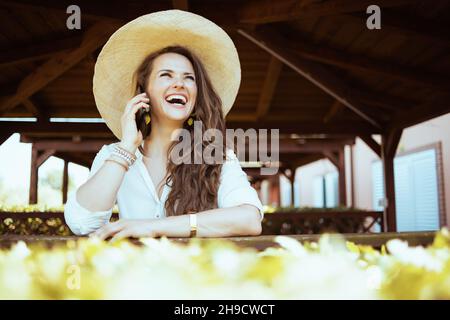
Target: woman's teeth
(176, 99)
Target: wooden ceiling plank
(91, 10)
(38, 50)
(260, 12)
(334, 109)
(181, 4)
(423, 112)
(276, 46)
(347, 60)
(55, 67)
(418, 27)
(268, 89)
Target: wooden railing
(35, 223)
(317, 222)
(259, 242)
(301, 222)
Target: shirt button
(157, 215)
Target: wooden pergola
(311, 69)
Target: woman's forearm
(243, 220)
(99, 193)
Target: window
(416, 190)
(326, 190)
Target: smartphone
(142, 119)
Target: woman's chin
(175, 113)
(178, 116)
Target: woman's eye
(165, 74)
(190, 77)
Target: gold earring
(190, 121)
(147, 118)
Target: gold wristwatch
(193, 223)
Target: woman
(184, 68)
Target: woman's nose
(178, 82)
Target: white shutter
(416, 190)
(331, 189)
(377, 186)
(404, 194)
(426, 196)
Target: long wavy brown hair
(194, 186)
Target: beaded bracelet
(127, 156)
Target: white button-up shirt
(137, 197)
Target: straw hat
(113, 82)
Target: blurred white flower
(417, 256)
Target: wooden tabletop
(258, 242)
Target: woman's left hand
(127, 228)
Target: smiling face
(172, 87)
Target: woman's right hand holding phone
(131, 136)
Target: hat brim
(113, 82)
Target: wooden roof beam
(100, 129)
(346, 60)
(70, 146)
(293, 147)
(307, 127)
(417, 27)
(42, 157)
(333, 111)
(274, 44)
(260, 12)
(55, 127)
(414, 28)
(70, 157)
(35, 110)
(383, 101)
(306, 160)
(38, 50)
(55, 67)
(116, 12)
(334, 159)
(268, 89)
(91, 10)
(422, 112)
(372, 144)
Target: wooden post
(338, 160)
(342, 182)
(37, 159)
(389, 144)
(65, 181)
(352, 179)
(291, 179)
(274, 194)
(34, 176)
